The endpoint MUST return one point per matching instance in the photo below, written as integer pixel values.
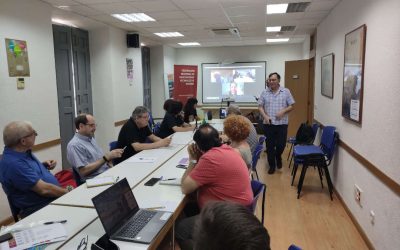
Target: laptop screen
(115, 206)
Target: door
(83, 87)
(297, 80)
(71, 52)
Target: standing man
(134, 133)
(84, 154)
(274, 105)
(28, 183)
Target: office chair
(258, 189)
(14, 210)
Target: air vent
(297, 7)
(226, 32)
(287, 28)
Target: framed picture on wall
(327, 70)
(353, 74)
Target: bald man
(27, 182)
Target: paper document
(142, 159)
(100, 181)
(173, 182)
(184, 161)
(35, 236)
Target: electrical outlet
(372, 216)
(357, 194)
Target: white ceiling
(195, 19)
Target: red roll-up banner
(185, 82)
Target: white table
(77, 218)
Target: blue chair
(113, 145)
(261, 140)
(151, 121)
(293, 141)
(78, 179)
(256, 156)
(258, 189)
(318, 156)
(156, 128)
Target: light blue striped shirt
(275, 102)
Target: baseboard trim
(353, 219)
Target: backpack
(305, 134)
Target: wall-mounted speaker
(132, 40)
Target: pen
(52, 222)
(170, 179)
(124, 148)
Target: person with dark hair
(190, 113)
(27, 182)
(274, 105)
(84, 154)
(217, 172)
(167, 103)
(226, 225)
(252, 139)
(135, 132)
(172, 121)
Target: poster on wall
(129, 70)
(353, 74)
(170, 80)
(185, 82)
(17, 57)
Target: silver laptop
(121, 217)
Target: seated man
(27, 182)
(252, 139)
(134, 133)
(216, 228)
(84, 154)
(173, 121)
(217, 172)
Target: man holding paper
(136, 132)
(84, 154)
(28, 183)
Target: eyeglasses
(33, 133)
(83, 244)
(145, 117)
(92, 125)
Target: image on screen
(238, 81)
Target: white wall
(29, 21)
(157, 81)
(275, 55)
(113, 97)
(376, 139)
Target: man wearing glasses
(28, 183)
(136, 132)
(84, 154)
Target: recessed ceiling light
(190, 44)
(168, 34)
(63, 6)
(274, 29)
(277, 8)
(277, 40)
(134, 17)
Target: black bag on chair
(305, 134)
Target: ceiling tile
(196, 5)
(165, 15)
(114, 8)
(158, 5)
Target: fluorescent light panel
(277, 8)
(274, 29)
(277, 40)
(134, 17)
(168, 34)
(190, 44)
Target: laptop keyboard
(133, 227)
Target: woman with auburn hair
(237, 129)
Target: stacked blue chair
(258, 188)
(261, 140)
(256, 156)
(318, 156)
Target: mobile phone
(181, 166)
(5, 237)
(152, 181)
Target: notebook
(122, 218)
